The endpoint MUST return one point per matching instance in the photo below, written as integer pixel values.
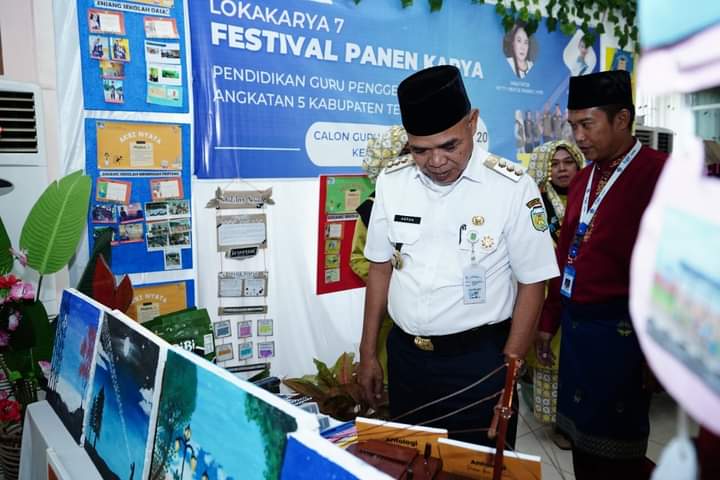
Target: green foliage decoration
(563, 15)
(6, 258)
(55, 224)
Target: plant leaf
(304, 387)
(6, 258)
(343, 368)
(53, 228)
(325, 376)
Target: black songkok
(600, 89)
(432, 100)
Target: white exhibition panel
(306, 325)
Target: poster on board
(326, 73)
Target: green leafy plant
(565, 15)
(336, 390)
(48, 241)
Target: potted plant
(48, 240)
(336, 390)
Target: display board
(132, 55)
(306, 84)
(141, 189)
(340, 195)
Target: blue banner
(296, 88)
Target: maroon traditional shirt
(602, 266)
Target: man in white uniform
(458, 244)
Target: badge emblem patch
(538, 218)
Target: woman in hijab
(552, 165)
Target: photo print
(99, 47)
(132, 212)
(103, 213)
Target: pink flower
(21, 291)
(4, 338)
(14, 320)
(20, 255)
(8, 281)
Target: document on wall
(241, 230)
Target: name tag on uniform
(568, 280)
(407, 219)
(474, 284)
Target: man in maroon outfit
(603, 403)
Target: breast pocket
(404, 235)
(483, 242)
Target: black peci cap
(599, 89)
(432, 100)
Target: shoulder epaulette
(504, 167)
(399, 163)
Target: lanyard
(586, 215)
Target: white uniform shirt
(426, 293)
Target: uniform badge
(538, 218)
(487, 242)
(533, 203)
(478, 220)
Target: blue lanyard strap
(586, 215)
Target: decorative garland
(565, 14)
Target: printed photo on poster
(104, 213)
(161, 74)
(158, 228)
(120, 49)
(181, 225)
(180, 240)
(344, 194)
(520, 49)
(224, 352)
(244, 328)
(156, 210)
(112, 70)
(266, 349)
(158, 3)
(167, 95)
(160, 27)
(332, 245)
(265, 327)
(130, 232)
(130, 213)
(99, 47)
(332, 261)
(240, 231)
(178, 208)
(156, 242)
(97, 230)
(334, 230)
(138, 146)
(162, 52)
(105, 21)
(116, 191)
(332, 275)
(245, 350)
(173, 259)
(113, 91)
(166, 189)
(579, 58)
(222, 329)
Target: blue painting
(118, 419)
(72, 360)
(213, 427)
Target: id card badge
(568, 280)
(474, 284)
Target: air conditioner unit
(655, 137)
(22, 152)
